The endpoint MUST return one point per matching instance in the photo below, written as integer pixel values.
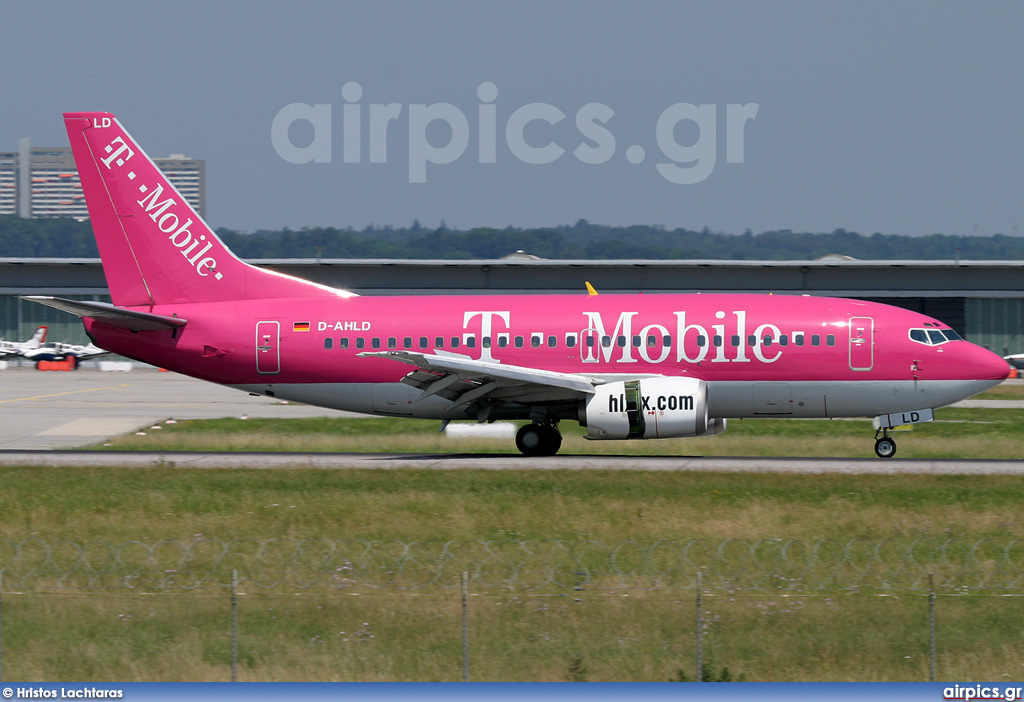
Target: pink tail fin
(155, 248)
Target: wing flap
(462, 380)
(109, 314)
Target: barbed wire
(731, 565)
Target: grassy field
(1008, 390)
(512, 637)
(364, 633)
(956, 433)
(85, 504)
(367, 634)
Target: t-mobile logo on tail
(115, 154)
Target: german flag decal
(300, 326)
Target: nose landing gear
(538, 439)
(885, 447)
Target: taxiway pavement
(55, 410)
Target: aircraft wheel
(885, 448)
(552, 441)
(538, 440)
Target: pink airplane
(623, 366)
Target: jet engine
(650, 408)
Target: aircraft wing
(91, 354)
(83, 353)
(109, 314)
(462, 380)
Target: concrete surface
(54, 410)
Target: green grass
(1009, 390)
(362, 633)
(114, 634)
(377, 637)
(149, 504)
(956, 433)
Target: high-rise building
(8, 183)
(50, 187)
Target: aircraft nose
(987, 365)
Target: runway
(384, 461)
(43, 416)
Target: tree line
(66, 238)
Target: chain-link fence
(282, 609)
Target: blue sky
(874, 116)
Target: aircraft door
(862, 343)
(268, 352)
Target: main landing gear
(885, 447)
(538, 439)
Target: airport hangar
(983, 300)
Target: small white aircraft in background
(18, 348)
(1016, 360)
(58, 351)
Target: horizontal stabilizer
(108, 314)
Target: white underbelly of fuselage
(726, 399)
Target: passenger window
(606, 341)
(798, 339)
(590, 342)
(471, 342)
(392, 342)
(439, 342)
(423, 342)
(570, 340)
(716, 340)
(783, 340)
(519, 342)
(375, 342)
(767, 341)
(621, 342)
(652, 341)
(666, 341)
(535, 341)
(552, 341)
(407, 342)
(360, 343)
(343, 342)
(830, 339)
(455, 342)
(701, 341)
(751, 340)
(815, 340)
(734, 340)
(328, 342)
(502, 341)
(486, 343)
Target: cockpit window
(934, 337)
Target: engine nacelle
(650, 408)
